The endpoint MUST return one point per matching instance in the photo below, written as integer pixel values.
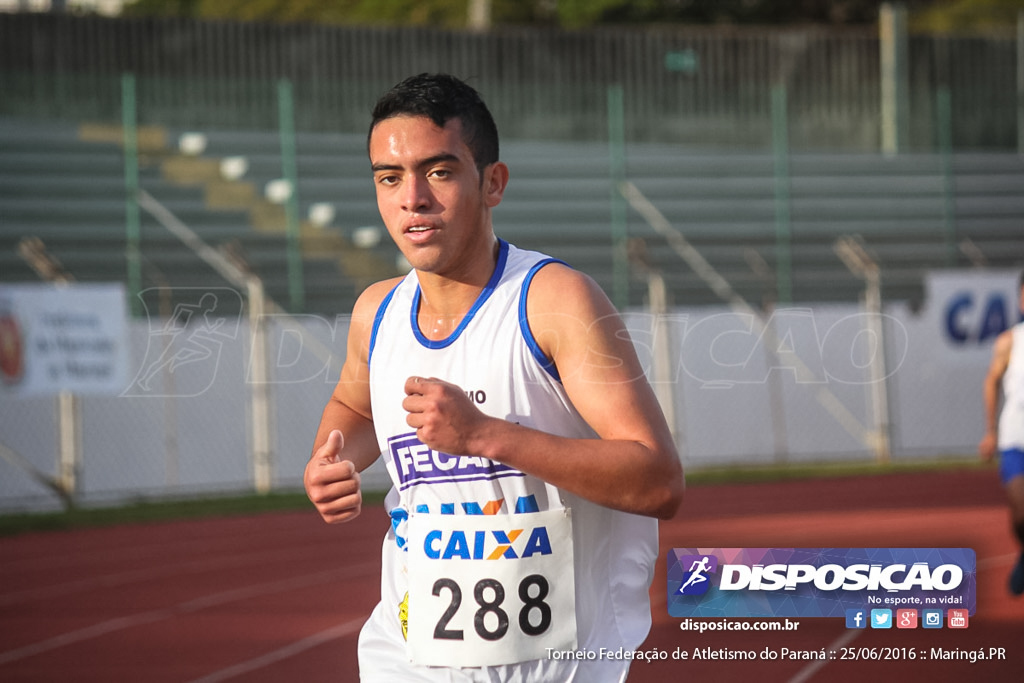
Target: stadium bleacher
(65, 184)
(68, 189)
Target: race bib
(486, 590)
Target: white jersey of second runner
(1011, 418)
(493, 357)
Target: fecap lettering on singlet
(417, 463)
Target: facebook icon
(856, 618)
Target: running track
(281, 597)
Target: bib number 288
(486, 590)
(491, 621)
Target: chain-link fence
(682, 84)
(739, 389)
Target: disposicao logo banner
(817, 582)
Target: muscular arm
(633, 466)
(345, 443)
(991, 391)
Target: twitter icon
(881, 618)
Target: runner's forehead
(416, 140)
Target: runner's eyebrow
(429, 161)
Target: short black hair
(441, 98)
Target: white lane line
(115, 579)
(87, 633)
(998, 561)
(298, 647)
(120, 623)
(123, 578)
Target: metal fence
(187, 423)
(680, 84)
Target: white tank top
(494, 358)
(1011, 419)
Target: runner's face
(431, 196)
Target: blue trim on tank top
(499, 270)
(377, 320)
(524, 324)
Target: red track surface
(282, 597)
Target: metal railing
(680, 84)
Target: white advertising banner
(968, 309)
(68, 337)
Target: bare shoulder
(371, 298)
(1000, 355)
(577, 327)
(353, 390)
(558, 289)
(363, 313)
(1003, 343)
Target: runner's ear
(495, 180)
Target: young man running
(1004, 430)
(528, 455)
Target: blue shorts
(1011, 464)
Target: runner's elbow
(670, 502)
(663, 500)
